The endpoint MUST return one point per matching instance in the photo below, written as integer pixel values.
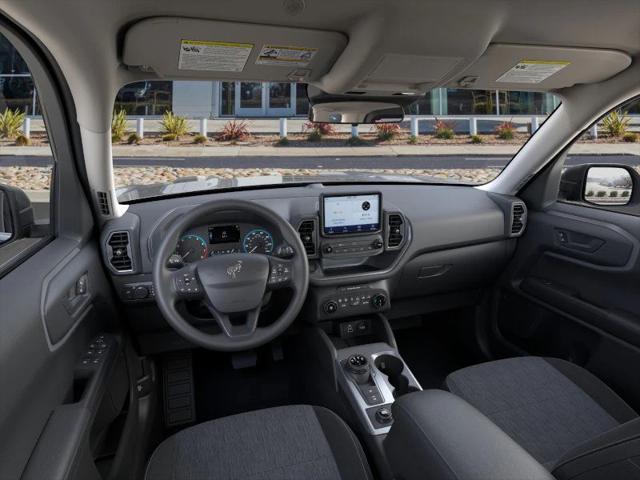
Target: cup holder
(393, 367)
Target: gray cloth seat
(284, 443)
(547, 405)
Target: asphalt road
(334, 163)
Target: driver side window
(26, 160)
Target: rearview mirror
(356, 112)
(356, 109)
(608, 186)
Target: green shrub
(444, 130)
(22, 140)
(413, 139)
(386, 131)
(200, 139)
(601, 193)
(11, 123)
(625, 193)
(355, 141)
(134, 139)
(616, 123)
(506, 131)
(314, 136)
(476, 139)
(283, 142)
(118, 125)
(589, 193)
(233, 131)
(613, 193)
(174, 125)
(630, 137)
(169, 137)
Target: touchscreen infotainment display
(351, 214)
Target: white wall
(194, 99)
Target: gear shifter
(359, 368)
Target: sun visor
(208, 49)
(538, 68)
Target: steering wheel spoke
(234, 329)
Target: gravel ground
(38, 178)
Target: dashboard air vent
(119, 252)
(518, 218)
(307, 231)
(395, 225)
(103, 203)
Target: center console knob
(328, 249)
(378, 301)
(358, 366)
(331, 307)
(377, 244)
(383, 415)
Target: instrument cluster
(202, 242)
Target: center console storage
(439, 435)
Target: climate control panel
(354, 300)
(366, 246)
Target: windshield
(186, 136)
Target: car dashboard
(392, 249)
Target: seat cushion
(291, 442)
(547, 405)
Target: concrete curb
(382, 150)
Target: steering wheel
(232, 286)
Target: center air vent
(518, 218)
(395, 230)
(118, 251)
(307, 231)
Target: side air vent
(395, 230)
(103, 203)
(518, 218)
(119, 252)
(307, 231)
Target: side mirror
(16, 214)
(603, 185)
(608, 186)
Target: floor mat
(220, 390)
(436, 347)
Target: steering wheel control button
(187, 284)
(285, 251)
(280, 274)
(175, 261)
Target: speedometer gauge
(258, 241)
(191, 247)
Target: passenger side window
(602, 168)
(26, 160)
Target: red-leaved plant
(233, 130)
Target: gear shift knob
(359, 368)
